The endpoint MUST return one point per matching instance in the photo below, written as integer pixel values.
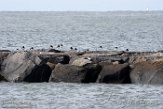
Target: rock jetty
(114, 67)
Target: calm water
(80, 96)
(140, 31)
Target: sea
(112, 30)
(136, 31)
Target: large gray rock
(55, 59)
(115, 73)
(107, 57)
(18, 65)
(147, 72)
(75, 74)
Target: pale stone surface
(81, 61)
(18, 65)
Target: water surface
(137, 31)
(80, 96)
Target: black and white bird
(71, 48)
(127, 49)
(100, 46)
(23, 48)
(58, 46)
(31, 48)
(116, 47)
(51, 46)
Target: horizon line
(77, 10)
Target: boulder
(114, 73)
(75, 74)
(40, 73)
(147, 72)
(55, 59)
(18, 65)
(81, 61)
(110, 59)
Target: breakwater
(117, 67)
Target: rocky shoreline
(115, 67)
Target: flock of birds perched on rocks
(61, 45)
(51, 47)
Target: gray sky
(79, 5)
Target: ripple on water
(84, 30)
(78, 96)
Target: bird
(71, 48)
(87, 49)
(58, 46)
(31, 48)
(51, 46)
(100, 46)
(75, 49)
(127, 49)
(23, 47)
(116, 47)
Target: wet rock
(40, 73)
(67, 73)
(91, 73)
(81, 61)
(115, 73)
(75, 74)
(147, 72)
(2, 78)
(110, 59)
(55, 51)
(18, 65)
(55, 59)
(5, 51)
